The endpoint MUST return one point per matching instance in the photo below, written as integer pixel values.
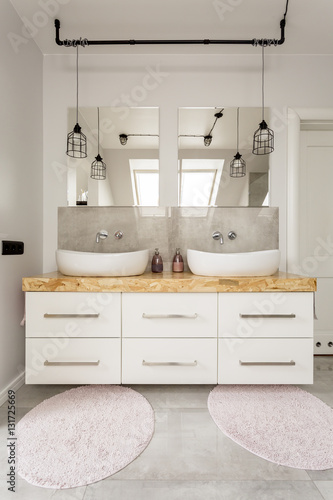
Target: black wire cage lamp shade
(238, 164)
(123, 138)
(208, 140)
(98, 167)
(76, 140)
(76, 143)
(263, 139)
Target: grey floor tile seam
(319, 492)
(219, 490)
(324, 483)
(62, 494)
(113, 478)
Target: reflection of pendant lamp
(207, 138)
(98, 167)
(263, 139)
(123, 138)
(76, 140)
(237, 165)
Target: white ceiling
(309, 27)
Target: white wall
(172, 81)
(21, 172)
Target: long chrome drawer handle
(71, 363)
(267, 363)
(267, 315)
(70, 315)
(163, 316)
(168, 363)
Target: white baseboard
(14, 386)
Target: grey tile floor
(188, 457)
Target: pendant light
(207, 139)
(237, 165)
(123, 138)
(98, 167)
(76, 140)
(263, 139)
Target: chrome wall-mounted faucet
(101, 235)
(218, 236)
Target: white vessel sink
(261, 263)
(72, 263)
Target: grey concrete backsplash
(168, 228)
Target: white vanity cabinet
(73, 338)
(265, 338)
(169, 338)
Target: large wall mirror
(207, 145)
(129, 145)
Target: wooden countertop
(169, 282)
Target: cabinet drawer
(266, 314)
(169, 361)
(77, 361)
(72, 314)
(249, 361)
(169, 314)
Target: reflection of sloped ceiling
(196, 121)
(199, 121)
(308, 30)
(116, 121)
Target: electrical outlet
(12, 247)
(323, 343)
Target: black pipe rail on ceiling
(254, 42)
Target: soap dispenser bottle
(157, 262)
(178, 263)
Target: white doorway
(310, 213)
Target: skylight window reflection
(145, 182)
(199, 182)
(147, 187)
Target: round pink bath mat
(283, 424)
(83, 435)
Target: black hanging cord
(284, 16)
(263, 80)
(237, 129)
(142, 135)
(77, 84)
(217, 116)
(254, 42)
(98, 131)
